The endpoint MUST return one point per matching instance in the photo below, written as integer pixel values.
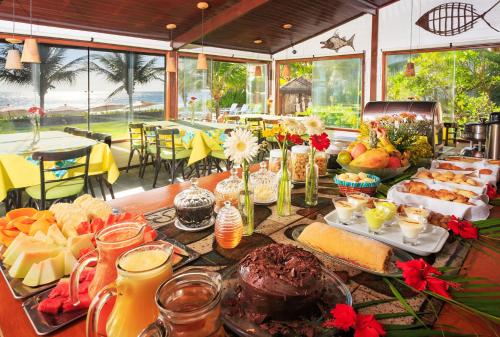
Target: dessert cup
(411, 230)
(419, 214)
(389, 209)
(358, 201)
(345, 211)
(375, 219)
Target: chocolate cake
(279, 281)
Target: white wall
(362, 44)
(394, 29)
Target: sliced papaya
(16, 213)
(3, 223)
(8, 235)
(39, 225)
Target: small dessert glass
(411, 230)
(358, 201)
(345, 211)
(375, 219)
(390, 209)
(419, 214)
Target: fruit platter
(385, 149)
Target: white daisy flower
(241, 145)
(314, 125)
(293, 126)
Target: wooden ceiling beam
(226, 16)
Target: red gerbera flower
(37, 111)
(464, 228)
(320, 142)
(296, 139)
(420, 275)
(491, 192)
(280, 138)
(344, 317)
(367, 326)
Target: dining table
(18, 170)
(156, 205)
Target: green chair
(169, 153)
(149, 132)
(81, 133)
(100, 176)
(136, 138)
(256, 125)
(72, 183)
(216, 157)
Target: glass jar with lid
(194, 208)
(228, 190)
(320, 159)
(300, 157)
(275, 157)
(264, 185)
(228, 226)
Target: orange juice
(140, 273)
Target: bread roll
(364, 252)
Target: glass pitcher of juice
(111, 242)
(189, 306)
(140, 272)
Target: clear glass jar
(264, 185)
(194, 207)
(228, 227)
(321, 160)
(228, 190)
(189, 305)
(300, 157)
(275, 160)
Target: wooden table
(14, 323)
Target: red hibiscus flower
(36, 111)
(421, 276)
(464, 228)
(367, 326)
(296, 139)
(344, 317)
(320, 142)
(491, 192)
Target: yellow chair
(136, 138)
(170, 152)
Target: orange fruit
(16, 213)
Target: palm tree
(126, 70)
(52, 70)
(226, 77)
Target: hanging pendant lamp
(171, 64)
(410, 66)
(30, 49)
(202, 64)
(286, 72)
(258, 71)
(13, 59)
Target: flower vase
(246, 203)
(311, 181)
(35, 121)
(284, 202)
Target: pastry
(419, 188)
(364, 252)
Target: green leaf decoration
(372, 303)
(402, 300)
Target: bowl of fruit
(384, 162)
(356, 182)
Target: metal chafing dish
(425, 110)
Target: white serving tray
(429, 242)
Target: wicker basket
(346, 187)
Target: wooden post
(171, 99)
(374, 58)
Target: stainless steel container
(475, 131)
(493, 137)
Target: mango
(374, 158)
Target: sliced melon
(69, 262)
(79, 242)
(40, 225)
(29, 244)
(69, 230)
(32, 279)
(55, 234)
(43, 238)
(17, 241)
(52, 269)
(26, 259)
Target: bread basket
(369, 188)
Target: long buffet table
(14, 323)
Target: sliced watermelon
(67, 306)
(61, 289)
(50, 305)
(149, 234)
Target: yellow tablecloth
(201, 145)
(17, 172)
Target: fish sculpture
(452, 18)
(336, 42)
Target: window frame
(360, 56)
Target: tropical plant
(52, 70)
(298, 69)
(227, 78)
(127, 70)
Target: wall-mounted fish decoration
(452, 18)
(336, 42)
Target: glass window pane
(337, 91)
(193, 90)
(257, 89)
(227, 81)
(295, 89)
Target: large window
(465, 82)
(90, 89)
(225, 88)
(329, 88)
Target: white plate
(429, 242)
(266, 203)
(180, 226)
